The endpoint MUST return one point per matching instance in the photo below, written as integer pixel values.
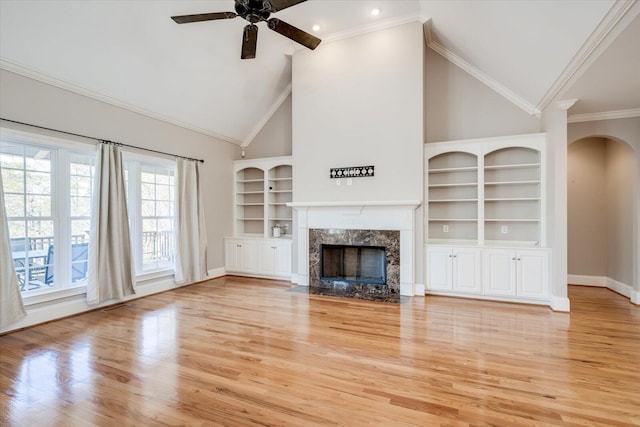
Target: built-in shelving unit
(484, 217)
(453, 196)
(263, 189)
(485, 191)
(280, 192)
(249, 201)
(512, 194)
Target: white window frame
(134, 161)
(60, 208)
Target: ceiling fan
(255, 11)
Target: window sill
(53, 294)
(56, 294)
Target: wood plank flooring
(237, 351)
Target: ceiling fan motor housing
(253, 10)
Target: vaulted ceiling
(131, 54)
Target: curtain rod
(101, 140)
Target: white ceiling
(132, 54)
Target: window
(151, 200)
(48, 250)
(48, 186)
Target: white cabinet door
(274, 258)
(266, 258)
(499, 270)
(439, 269)
(466, 270)
(282, 264)
(249, 257)
(532, 274)
(232, 255)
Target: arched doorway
(603, 214)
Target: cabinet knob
(513, 259)
(519, 259)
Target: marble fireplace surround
(357, 215)
(388, 239)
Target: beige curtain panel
(191, 233)
(11, 306)
(111, 272)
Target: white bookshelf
(263, 187)
(486, 190)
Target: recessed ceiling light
(375, 12)
(316, 27)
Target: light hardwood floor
(238, 351)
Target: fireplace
(390, 224)
(353, 264)
(362, 264)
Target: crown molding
(72, 87)
(606, 115)
(281, 98)
(566, 104)
(507, 93)
(614, 22)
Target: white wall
(27, 100)
(587, 208)
(620, 204)
(274, 139)
(357, 102)
(459, 106)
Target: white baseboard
(619, 287)
(582, 280)
(606, 282)
(560, 304)
(216, 272)
(420, 289)
(406, 289)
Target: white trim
(214, 273)
(606, 282)
(619, 287)
(262, 122)
(498, 87)
(376, 26)
(295, 278)
(614, 22)
(582, 280)
(420, 289)
(44, 78)
(566, 104)
(9, 134)
(605, 115)
(560, 304)
(414, 203)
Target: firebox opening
(353, 264)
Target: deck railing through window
(157, 247)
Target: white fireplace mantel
(407, 203)
(360, 215)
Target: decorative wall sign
(352, 172)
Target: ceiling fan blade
(277, 5)
(295, 34)
(185, 19)
(249, 41)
